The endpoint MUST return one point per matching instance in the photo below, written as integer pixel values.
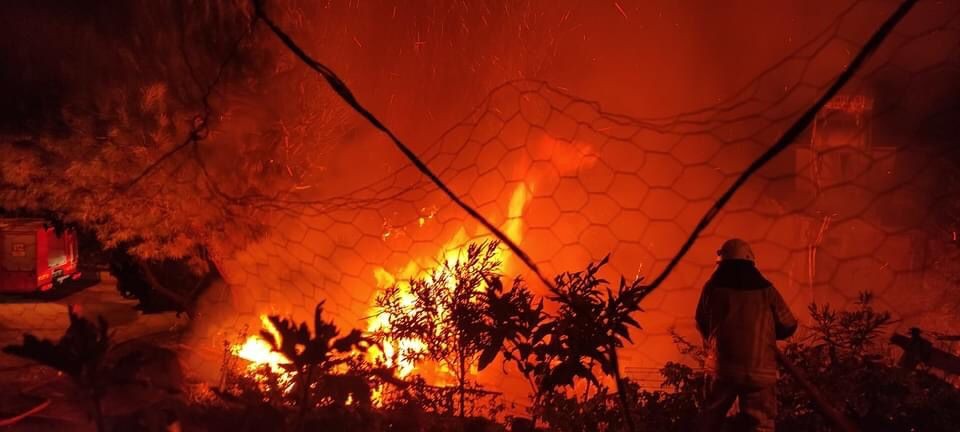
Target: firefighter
(741, 316)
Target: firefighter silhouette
(741, 316)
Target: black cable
(344, 92)
(789, 136)
(782, 143)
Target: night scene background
(471, 215)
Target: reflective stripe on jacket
(741, 316)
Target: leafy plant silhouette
(80, 354)
(512, 320)
(860, 375)
(847, 332)
(445, 314)
(510, 325)
(672, 409)
(463, 313)
(555, 349)
(841, 354)
(319, 361)
(592, 322)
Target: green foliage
(564, 412)
(674, 408)
(554, 349)
(332, 388)
(510, 325)
(163, 285)
(464, 316)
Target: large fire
(258, 352)
(567, 157)
(393, 352)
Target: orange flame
(259, 353)
(393, 352)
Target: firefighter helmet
(735, 249)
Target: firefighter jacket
(741, 316)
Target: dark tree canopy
(166, 128)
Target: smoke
(424, 66)
(70, 56)
(420, 65)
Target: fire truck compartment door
(19, 251)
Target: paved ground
(48, 317)
(23, 383)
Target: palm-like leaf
(321, 349)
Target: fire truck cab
(33, 257)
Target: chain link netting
(859, 203)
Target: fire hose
(5, 422)
(823, 405)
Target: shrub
(842, 354)
(444, 313)
(327, 380)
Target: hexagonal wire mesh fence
(856, 204)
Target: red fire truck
(33, 257)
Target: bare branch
(199, 129)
